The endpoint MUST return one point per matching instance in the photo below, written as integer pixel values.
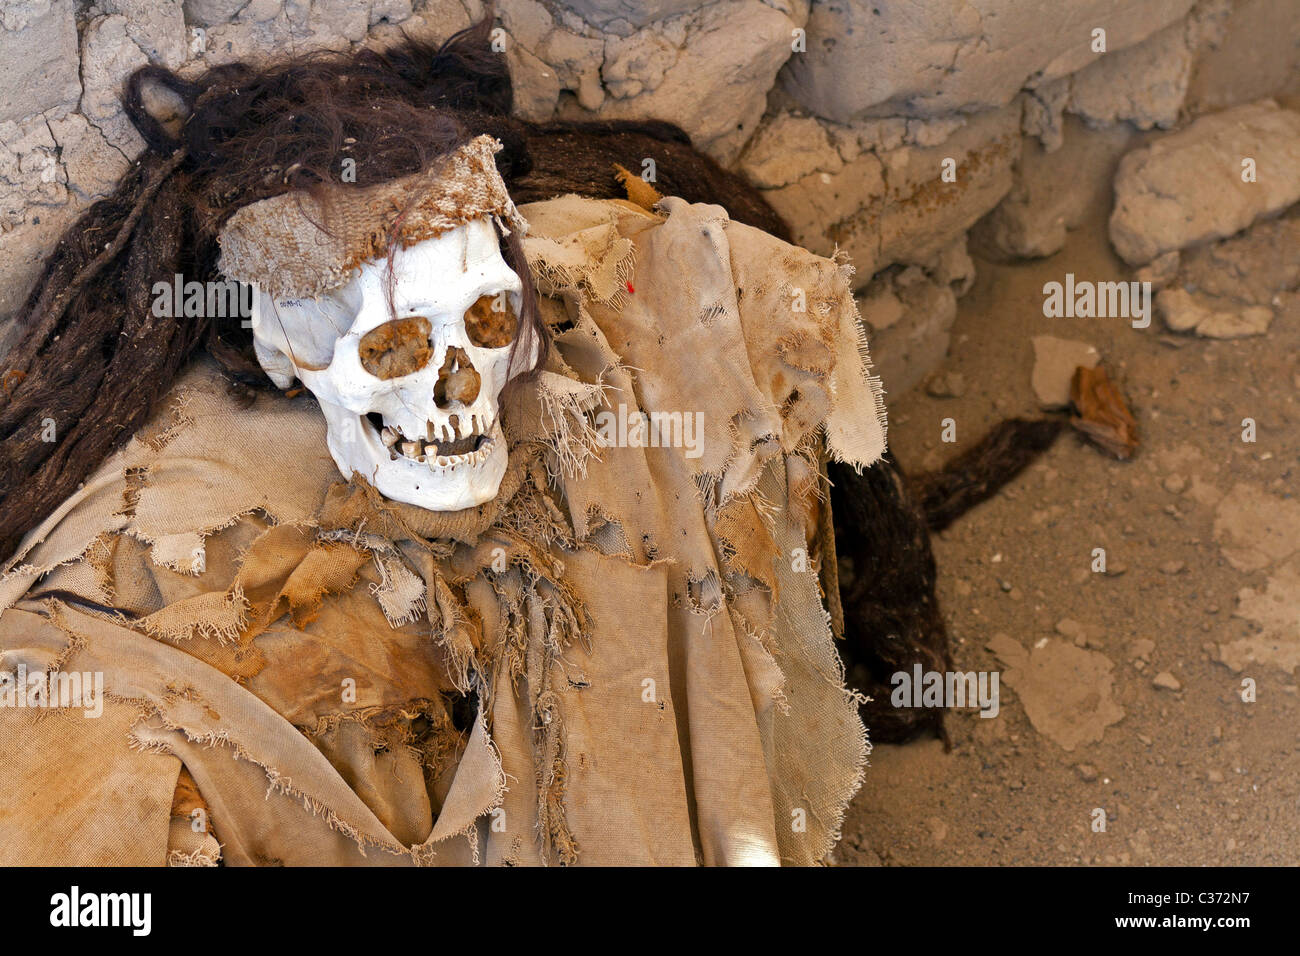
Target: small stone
(1172, 567)
(1140, 650)
(1166, 681)
(946, 385)
(1210, 316)
(1180, 309)
(1086, 772)
(1162, 198)
(1082, 635)
(1175, 484)
(1161, 270)
(1054, 363)
(1214, 776)
(1071, 629)
(1252, 320)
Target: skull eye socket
(491, 321)
(396, 348)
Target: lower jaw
(451, 487)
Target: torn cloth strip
(624, 658)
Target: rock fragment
(1207, 181)
(1054, 363)
(1166, 681)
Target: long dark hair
(93, 359)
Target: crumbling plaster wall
(843, 111)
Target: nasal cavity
(396, 348)
(457, 380)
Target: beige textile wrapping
(624, 659)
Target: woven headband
(280, 245)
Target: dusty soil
(1202, 538)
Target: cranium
(408, 366)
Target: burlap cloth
(624, 659)
(302, 245)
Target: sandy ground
(1202, 539)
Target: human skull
(410, 394)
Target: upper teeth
(425, 450)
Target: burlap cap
(300, 245)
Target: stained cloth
(624, 658)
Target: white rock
(865, 57)
(555, 59)
(1055, 361)
(538, 91)
(38, 50)
(92, 165)
(346, 19)
(251, 38)
(1186, 187)
(1180, 310)
(108, 57)
(708, 72)
(157, 27)
(788, 148)
(211, 13)
(1144, 84)
(34, 205)
(1252, 320)
(30, 168)
(1185, 311)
